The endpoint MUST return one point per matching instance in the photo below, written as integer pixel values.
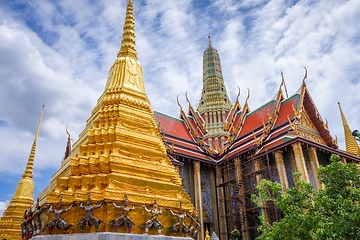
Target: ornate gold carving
(257, 141)
(297, 113)
(307, 129)
(306, 121)
(293, 125)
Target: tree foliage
(235, 235)
(330, 213)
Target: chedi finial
(30, 163)
(128, 41)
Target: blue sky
(59, 52)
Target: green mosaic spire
(214, 104)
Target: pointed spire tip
(128, 48)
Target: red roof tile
(194, 126)
(256, 118)
(172, 126)
(287, 110)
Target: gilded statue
(193, 229)
(26, 225)
(58, 222)
(180, 225)
(124, 219)
(36, 218)
(23, 226)
(89, 219)
(153, 221)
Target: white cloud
(3, 206)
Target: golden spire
(209, 41)
(128, 41)
(351, 145)
(126, 74)
(23, 198)
(29, 166)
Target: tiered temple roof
(278, 123)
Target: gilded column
(221, 207)
(300, 161)
(210, 118)
(314, 167)
(241, 196)
(216, 143)
(222, 141)
(229, 204)
(257, 164)
(214, 202)
(223, 115)
(206, 118)
(281, 169)
(191, 181)
(219, 116)
(198, 197)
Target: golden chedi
(121, 152)
(22, 200)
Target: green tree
(235, 235)
(330, 213)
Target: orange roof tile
(172, 126)
(255, 119)
(287, 110)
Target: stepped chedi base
(122, 153)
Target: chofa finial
(187, 97)
(177, 98)
(247, 96)
(283, 83)
(305, 77)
